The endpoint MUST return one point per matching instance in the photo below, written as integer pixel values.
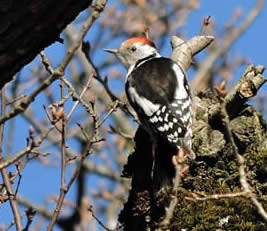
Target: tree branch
(26, 29)
(203, 75)
(98, 8)
(8, 185)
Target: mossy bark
(214, 171)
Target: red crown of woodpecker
(143, 40)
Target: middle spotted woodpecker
(157, 89)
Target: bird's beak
(112, 51)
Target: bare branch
(202, 75)
(205, 23)
(27, 150)
(195, 197)
(46, 63)
(30, 213)
(183, 51)
(80, 96)
(7, 183)
(98, 8)
(39, 209)
(59, 71)
(90, 209)
(240, 163)
(113, 108)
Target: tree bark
(215, 171)
(28, 26)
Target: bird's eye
(133, 49)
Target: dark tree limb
(28, 26)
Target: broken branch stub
(183, 51)
(247, 87)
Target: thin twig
(84, 132)
(43, 211)
(62, 100)
(13, 223)
(52, 121)
(23, 105)
(120, 133)
(64, 191)
(204, 68)
(30, 213)
(112, 109)
(240, 163)
(75, 96)
(205, 23)
(195, 197)
(20, 176)
(90, 209)
(80, 96)
(174, 200)
(63, 152)
(27, 150)
(6, 180)
(46, 63)
(63, 140)
(84, 54)
(59, 71)
(99, 6)
(15, 99)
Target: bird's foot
(180, 159)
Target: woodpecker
(157, 89)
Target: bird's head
(133, 50)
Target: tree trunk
(215, 171)
(28, 26)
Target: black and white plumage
(158, 91)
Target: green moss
(256, 163)
(262, 121)
(231, 215)
(218, 176)
(215, 171)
